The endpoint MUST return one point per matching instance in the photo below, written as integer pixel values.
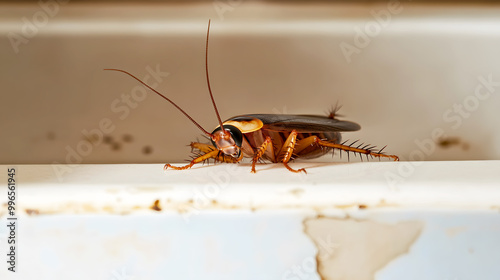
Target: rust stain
(116, 208)
(89, 208)
(361, 205)
(384, 203)
(156, 205)
(185, 208)
(447, 142)
(182, 206)
(297, 192)
(354, 249)
(318, 261)
(495, 207)
(108, 209)
(346, 206)
(32, 211)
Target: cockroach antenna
(208, 80)
(176, 106)
(171, 102)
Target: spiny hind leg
(287, 151)
(368, 151)
(212, 154)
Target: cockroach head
(228, 140)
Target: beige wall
(399, 84)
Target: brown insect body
(272, 137)
(276, 127)
(274, 154)
(280, 138)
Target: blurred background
(420, 77)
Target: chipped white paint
(222, 222)
(126, 188)
(362, 247)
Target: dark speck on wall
(447, 142)
(115, 146)
(51, 135)
(108, 139)
(127, 138)
(147, 150)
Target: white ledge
(132, 187)
(217, 222)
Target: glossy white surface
(341, 221)
(470, 184)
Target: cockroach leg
(205, 148)
(288, 150)
(366, 150)
(212, 154)
(260, 151)
(304, 143)
(288, 147)
(355, 150)
(294, 170)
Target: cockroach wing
(300, 123)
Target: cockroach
(272, 137)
